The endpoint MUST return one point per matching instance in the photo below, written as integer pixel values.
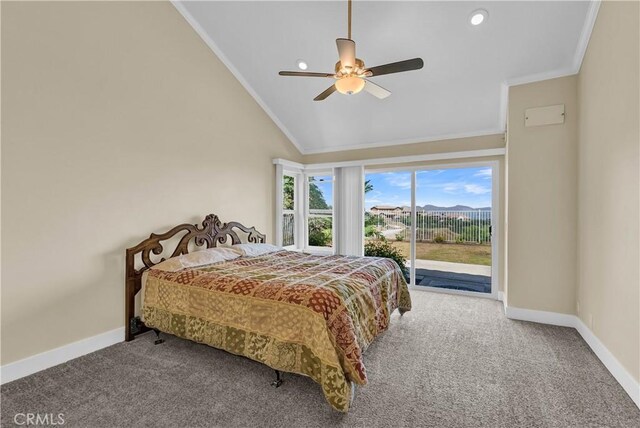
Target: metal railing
(432, 226)
(319, 227)
(288, 228)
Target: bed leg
(158, 340)
(276, 383)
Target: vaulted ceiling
(461, 91)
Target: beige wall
(542, 200)
(118, 121)
(608, 183)
(431, 147)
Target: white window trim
(298, 220)
(496, 224)
(465, 158)
(294, 211)
(310, 248)
(301, 200)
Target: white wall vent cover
(540, 116)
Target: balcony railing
(288, 228)
(432, 226)
(319, 232)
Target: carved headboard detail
(210, 234)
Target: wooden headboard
(211, 233)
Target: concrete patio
(453, 276)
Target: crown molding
(585, 36)
(574, 68)
(236, 73)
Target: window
(288, 211)
(320, 211)
(304, 209)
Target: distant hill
(453, 208)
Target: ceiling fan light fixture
(350, 71)
(350, 85)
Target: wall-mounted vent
(540, 116)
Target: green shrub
(318, 239)
(439, 239)
(370, 231)
(383, 248)
(374, 220)
(399, 237)
(319, 232)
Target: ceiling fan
(350, 72)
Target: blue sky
(325, 185)
(444, 188)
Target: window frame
(295, 211)
(298, 214)
(307, 212)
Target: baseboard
(542, 317)
(617, 370)
(36, 363)
(630, 385)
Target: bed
(295, 312)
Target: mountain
(453, 208)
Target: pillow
(254, 250)
(198, 258)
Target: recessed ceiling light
(478, 17)
(302, 65)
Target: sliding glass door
(439, 220)
(387, 218)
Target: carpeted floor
(451, 362)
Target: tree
(368, 186)
(316, 198)
(287, 192)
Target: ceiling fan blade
(304, 74)
(347, 52)
(396, 67)
(376, 90)
(330, 90)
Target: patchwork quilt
(295, 312)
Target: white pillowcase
(254, 250)
(198, 258)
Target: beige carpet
(451, 362)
